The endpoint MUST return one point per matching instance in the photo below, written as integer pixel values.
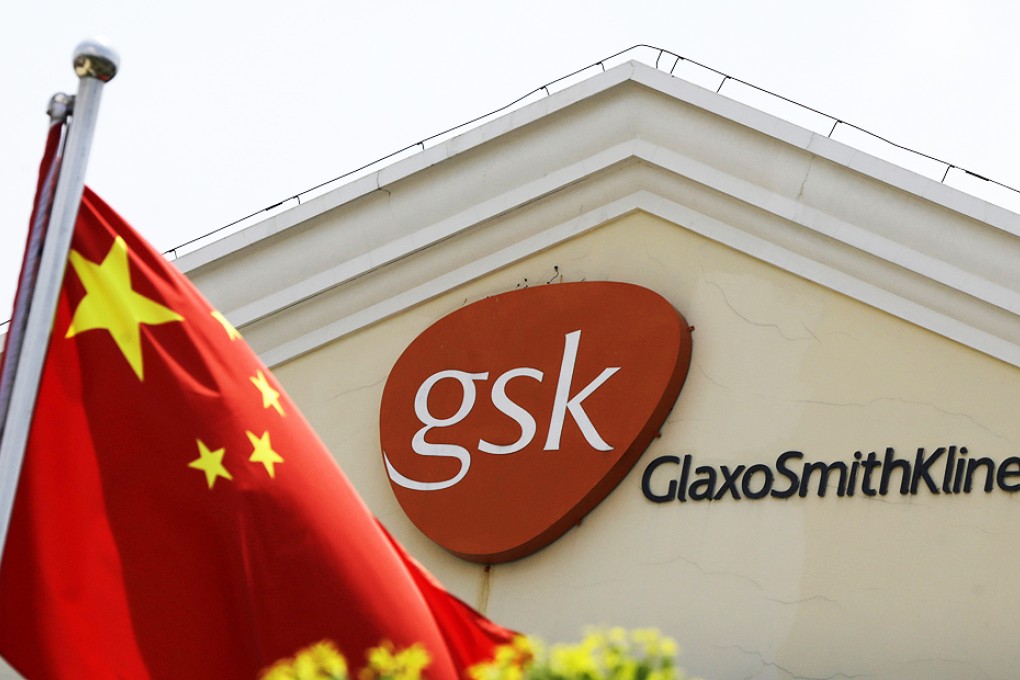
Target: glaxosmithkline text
(945, 470)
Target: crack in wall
(704, 572)
(872, 402)
(803, 183)
(357, 388)
(761, 324)
(710, 378)
(653, 258)
(809, 332)
(773, 664)
(883, 499)
(811, 598)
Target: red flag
(176, 516)
(48, 170)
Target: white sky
(222, 108)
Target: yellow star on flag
(210, 462)
(263, 452)
(232, 332)
(270, 397)
(112, 305)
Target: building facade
(832, 493)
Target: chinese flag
(176, 517)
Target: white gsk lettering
(563, 403)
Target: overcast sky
(223, 108)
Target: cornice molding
(632, 139)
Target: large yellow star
(263, 452)
(270, 397)
(112, 305)
(210, 462)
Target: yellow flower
(573, 662)
(281, 670)
(385, 663)
(613, 654)
(525, 645)
(321, 661)
(305, 667)
(381, 661)
(329, 659)
(412, 661)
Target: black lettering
(948, 476)
(851, 485)
(823, 477)
(685, 472)
(788, 473)
(703, 488)
(973, 464)
(761, 480)
(960, 469)
(646, 480)
(892, 463)
(1004, 473)
(921, 467)
(869, 465)
(745, 483)
(729, 481)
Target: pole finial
(96, 59)
(60, 106)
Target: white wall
(895, 586)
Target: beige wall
(895, 586)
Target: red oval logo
(507, 421)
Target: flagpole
(59, 110)
(95, 64)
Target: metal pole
(95, 63)
(59, 111)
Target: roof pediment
(630, 139)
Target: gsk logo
(507, 421)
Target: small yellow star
(111, 304)
(232, 332)
(263, 452)
(210, 462)
(270, 397)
